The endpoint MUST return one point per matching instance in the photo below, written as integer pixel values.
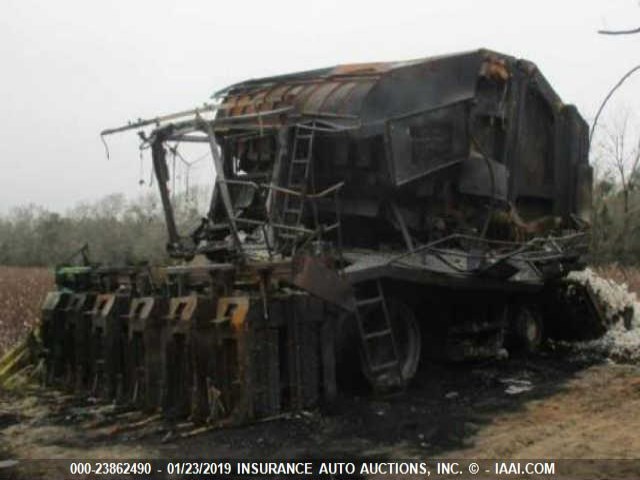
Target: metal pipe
(222, 186)
(140, 123)
(249, 116)
(158, 157)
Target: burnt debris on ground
(442, 410)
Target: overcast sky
(72, 68)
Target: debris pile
(621, 342)
(614, 297)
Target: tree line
(615, 222)
(118, 230)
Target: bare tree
(607, 98)
(619, 32)
(628, 31)
(621, 152)
(618, 83)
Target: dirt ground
(555, 404)
(570, 409)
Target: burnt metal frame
(184, 131)
(253, 124)
(533, 251)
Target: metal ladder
(386, 371)
(298, 178)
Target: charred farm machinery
(362, 217)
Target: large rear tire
(352, 370)
(408, 340)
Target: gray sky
(72, 68)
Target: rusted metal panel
(53, 319)
(426, 142)
(109, 339)
(338, 97)
(304, 330)
(81, 320)
(316, 278)
(395, 87)
(186, 369)
(317, 97)
(147, 323)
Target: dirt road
(541, 407)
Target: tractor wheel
(408, 341)
(526, 329)
(353, 371)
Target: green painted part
(68, 271)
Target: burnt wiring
(141, 180)
(106, 146)
(187, 164)
(144, 145)
(492, 178)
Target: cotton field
(21, 293)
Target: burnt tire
(353, 370)
(526, 332)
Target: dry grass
(621, 274)
(21, 293)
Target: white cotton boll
(619, 342)
(615, 297)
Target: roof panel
(372, 92)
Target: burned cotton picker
(409, 209)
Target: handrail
(195, 113)
(140, 123)
(312, 233)
(288, 191)
(523, 249)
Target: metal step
(292, 212)
(381, 333)
(289, 236)
(384, 366)
(368, 301)
(371, 349)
